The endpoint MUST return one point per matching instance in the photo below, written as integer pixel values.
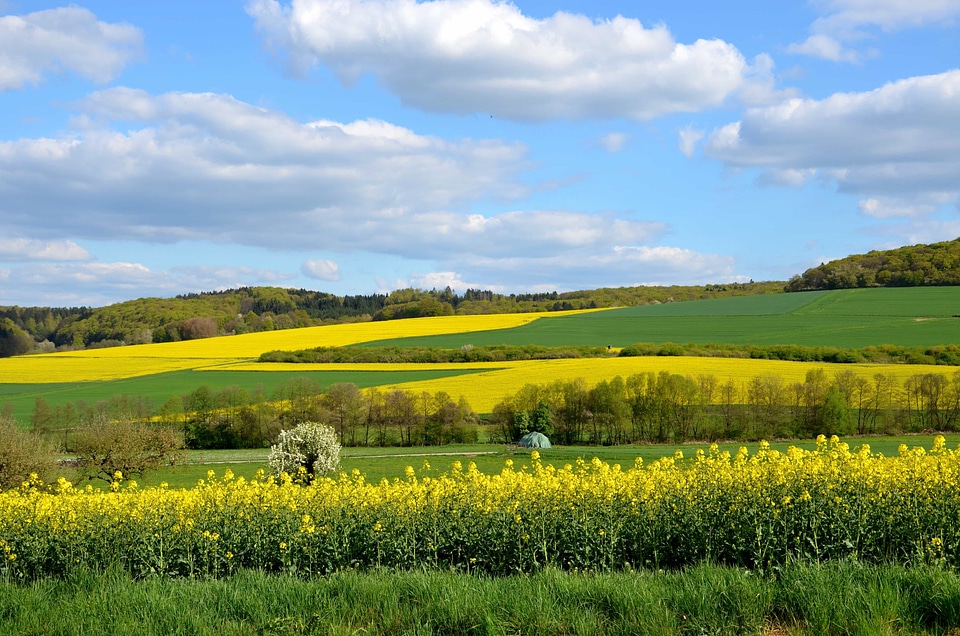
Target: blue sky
(360, 146)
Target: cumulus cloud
(95, 284)
(203, 166)
(896, 147)
(849, 21)
(184, 166)
(22, 249)
(322, 269)
(68, 39)
(483, 56)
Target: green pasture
(854, 318)
(162, 386)
(391, 462)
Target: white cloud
(619, 265)
(439, 280)
(321, 270)
(68, 39)
(614, 142)
(889, 15)
(850, 21)
(483, 56)
(183, 166)
(689, 137)
(95, 284)
(203, 166)
(760, 84)
(21, 249)
(824, 47)
(900, 140)
(891, 208)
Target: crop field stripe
(140, 360)
(162, 386)
(485, 389)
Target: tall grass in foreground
(837, 598)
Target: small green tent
(535, 440)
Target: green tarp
(535, 440)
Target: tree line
(878, 354)
(235, 417)
(671, 408)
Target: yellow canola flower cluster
(753, 510)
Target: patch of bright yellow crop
(139, 360)
(251, 345)
(52, 368)
(484, 390)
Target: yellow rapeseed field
(139, 360)
(484, 390)
(744, 510)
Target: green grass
(915, 316)
(160, 387)
(801, 599)
(391, 462)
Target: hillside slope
(911, 266)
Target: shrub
(308, 450)
(22, 453)
(129, 447)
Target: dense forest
(251, 309)
(911, 266)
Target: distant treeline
(429, 355)
(252, 309)
(667, 407)
(646, 407)
(237, 418)
(882, 354)
(912, 266)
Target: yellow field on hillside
(139, 360)
(52, 369)
(500, 379)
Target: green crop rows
(916, 316)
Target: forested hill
(37, 329)
(915, 265)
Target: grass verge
(826, 599)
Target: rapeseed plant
(756, 510)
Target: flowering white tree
(306, 451)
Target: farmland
(861, 521)
(853, 318)
(847, 318)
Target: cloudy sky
(360, 146)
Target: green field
(391, 462)
(158, 388)
(855, 318)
